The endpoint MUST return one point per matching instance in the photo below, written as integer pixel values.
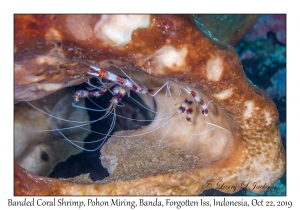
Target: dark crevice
(89, 162)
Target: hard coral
(245, 149)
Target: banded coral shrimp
(175, 109)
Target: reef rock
(238, 143)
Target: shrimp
(198, 100)
(107, 96)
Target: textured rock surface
(171, 48)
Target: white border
(8, 8)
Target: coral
(267, 23)
(278, 89)
(39, 152)
(264, 53)
(165, 48)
